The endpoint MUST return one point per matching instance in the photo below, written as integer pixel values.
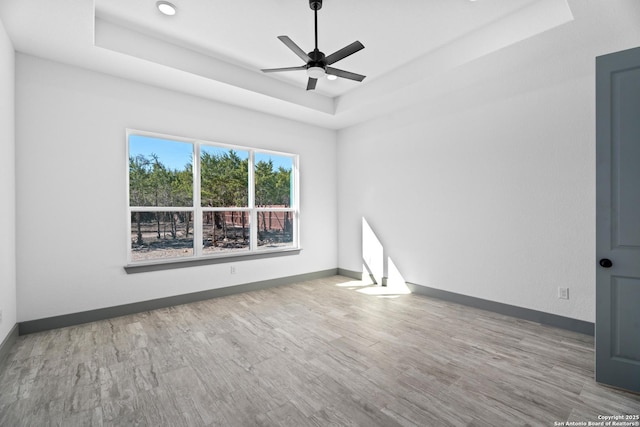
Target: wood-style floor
(311, 354)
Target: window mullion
(197, 210)
(253, 218)
(295, 178)
(160, 208)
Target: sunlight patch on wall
(378, 268)
(395, 280)
(372, 255)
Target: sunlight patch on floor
(386, 291)
(392, 290)
(396, 285)
(354, 284)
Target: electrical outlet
(0, 315)
(233, 269)
(563, 293)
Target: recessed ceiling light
(331, 77)
(166, 8)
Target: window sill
(143, 267)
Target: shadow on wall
(379, 267)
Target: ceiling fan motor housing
(315, 4)
(317, 59)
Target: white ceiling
(245, 33)
(216, 48)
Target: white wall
(7, 186)
(487, 186)
(71, 167)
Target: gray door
(618, 219)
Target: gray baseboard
(357, 275)
(72, 319)
(7, 343)
(541, 317)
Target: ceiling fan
(317, 64)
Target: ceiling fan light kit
(316, 63)
(315, 72)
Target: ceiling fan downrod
(315, 5)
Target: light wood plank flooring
(311, 354)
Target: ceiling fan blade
(344, 52)
(345, 74)
(274, 70)
(295, 48)
(311, 84)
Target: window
(232, 201)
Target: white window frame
(198, 210)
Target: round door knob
(606, 263)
